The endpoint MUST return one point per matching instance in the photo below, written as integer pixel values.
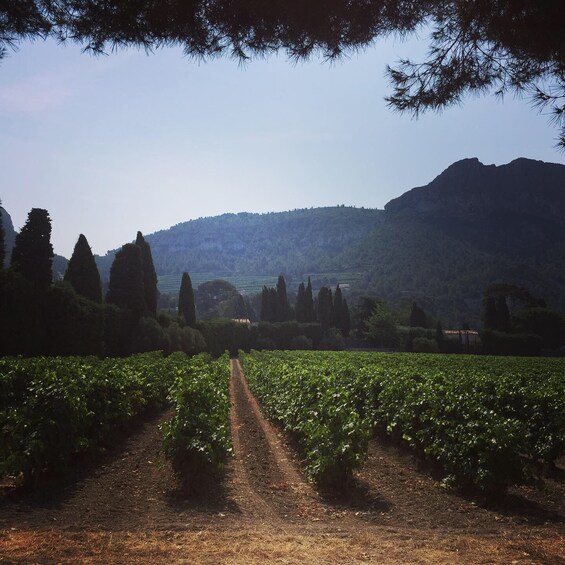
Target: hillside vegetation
(439, 244)
(295, 242)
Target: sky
(110, 145)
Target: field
(259, 494)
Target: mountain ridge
(439, 244)
(468, 186)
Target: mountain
(468, 188)
(438, 244)
(517, 209)
(473, 225)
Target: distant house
(245, 321)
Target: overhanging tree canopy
(475, 46)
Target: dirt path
(130, 508)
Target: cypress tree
(325, 307)
(299, 308)
(32, 255)
(337, 320)
(82, 271)
(269, 305)
(2, 242)
(126, 280)
(282, 305)
(331, 305)
(418, 317)
(239, 309)
(345, 320)
(309, 311)
(187, 308)
(151, 293)
(489, 315)
(272, 298)
(439, 336)
(265, 310)
(502, 314)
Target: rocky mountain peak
(468, 188)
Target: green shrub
(424, 345)
(501, 343)
(300, 342)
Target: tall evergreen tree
(300, 306)
(418, 317)
(503, 322)
(325, 307)
(149, 276)
(82, 271)
(489, 314)
(345, 319)
(265, 305)
(283, 307)
(439, 336)
(309, 311)
(2, 242)
(272, 309)
(126, 280)
(338, 308)
(32, 255)
(187, 308)
(269, 305)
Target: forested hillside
(439, 244)
(293, 243)
(409, 259)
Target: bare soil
(131, 508)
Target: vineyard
(489, 422)
(182, 463)
(54, 409)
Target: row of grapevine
(488, 421)
(54, 408)
(315, 405)
(197, 438)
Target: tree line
(515, 322)
(327, 309)
(72, 316)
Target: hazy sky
(112, 145)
